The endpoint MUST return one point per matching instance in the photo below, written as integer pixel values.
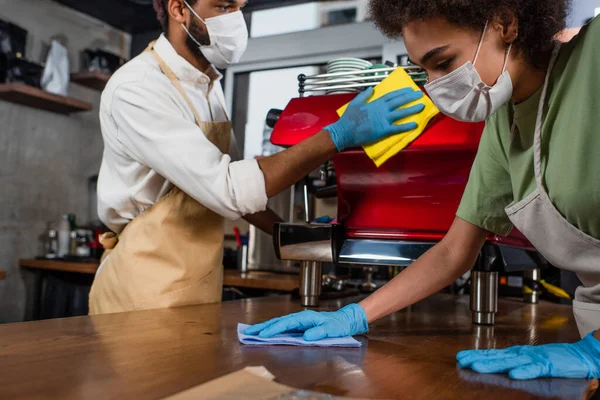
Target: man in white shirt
(167, 180)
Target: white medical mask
(228, 38)
(462, 94)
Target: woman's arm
(433, 271)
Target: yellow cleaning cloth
(382, 151)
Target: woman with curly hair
(536, 169)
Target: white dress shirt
(151, 143)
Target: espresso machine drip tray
(381, 252)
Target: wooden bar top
(157, 353)
(234, 278)
(61, 266)
(261, 280)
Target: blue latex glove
(365, 123)
(323, 220)
(578, 360)
(348, 321)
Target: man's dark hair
(539, 20)
(160, 6)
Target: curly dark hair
(160, 6)
(539, 20)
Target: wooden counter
(152, 354)
(261, 280)
(62, 266)
(253, 280)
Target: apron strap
(175, 81)
(537, 148)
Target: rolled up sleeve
(157, 134)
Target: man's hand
(577, 360)
(365, 123)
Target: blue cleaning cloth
(294, 339)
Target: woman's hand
(578, 360)
(348, 321)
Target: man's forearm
(264, 220)
(284, 169)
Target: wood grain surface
(156, 353)
(261, 280)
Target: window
(307, 16)
(338, 17)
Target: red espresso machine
(387, 216)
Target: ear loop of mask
(187, 30)
(506, 59)
(194, 12)
(481, 44)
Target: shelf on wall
(92, 80)
(38, 98)
(326, 192)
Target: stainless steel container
(242, 258)
(310, 283)
(484, 297)
(311, 244)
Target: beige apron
(561, 243)
(170, 255)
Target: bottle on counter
(51, 244)
(83, 240)
(64, 236)
(73, 222)
(72, 243)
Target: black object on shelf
(13, 40)
(19, 70)
(14, 67)
(101, 61)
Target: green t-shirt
(503, 172)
